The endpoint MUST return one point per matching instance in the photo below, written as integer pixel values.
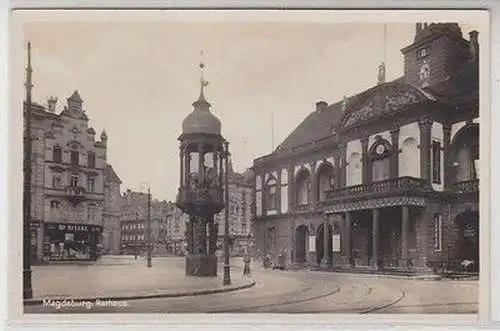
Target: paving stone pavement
(122, 276)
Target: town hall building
(387, 179)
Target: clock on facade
(380, 149)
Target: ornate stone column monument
(202, 155)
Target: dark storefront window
(65, 241)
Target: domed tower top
(201, 120)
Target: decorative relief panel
(384, 101)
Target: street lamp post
(27, 285)
(227, 270)
(149, 228)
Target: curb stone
(230, 288)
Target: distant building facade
(134, 222)
(387, 178)
(174, 230)
(112, 211)
(240, 213)
(69, 167)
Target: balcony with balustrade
(401, 186)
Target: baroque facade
(387, 178)
(69, 167)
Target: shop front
(71, 242)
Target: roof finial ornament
(203, 82)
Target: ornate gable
(384, 100)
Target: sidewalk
(121, 278)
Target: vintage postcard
(273, 162)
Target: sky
(139, 78)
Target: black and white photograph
(249, 162)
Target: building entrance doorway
(301, 233)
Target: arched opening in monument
(467, 245)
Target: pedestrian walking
(246, 267)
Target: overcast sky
(138, 81)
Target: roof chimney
(51, 104)
(473, 46)
(321, 105)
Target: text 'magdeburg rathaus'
(391, 172)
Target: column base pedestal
(201, 265)
(403, 264)
(374, 264)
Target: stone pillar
(201, 164)
(314, 186)
(394, 161)
(447, 169)
(187, 166)
(326, 261)
(405, 228)
(374, 262)
(425, 125)
(348, 239)
(181, 172)
(292, 240)
(366, 171)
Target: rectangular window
(271, 198)
(56, 180)
(74, 181)
(438, 232)
(75, 158)
(381, 169)
(57, 154)
(91, 160)
(91, 212)
(91, 184)
(436, 162)
(421, 53)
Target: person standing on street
(246, 267)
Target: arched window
(408, 160)
(303, 187)
(466, 158)
(270, 194)
(380, 154)
(57, 154)
(353, 170)
(325, 180)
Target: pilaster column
(326, 261)
(342, 165)
(314, 186)
(292, 240)
(366, 173)
(201, 163)
(405, 227)
(425, 125)
(348, 238)
(187, 166)
(394, 161)
(181, 172)
(375, 239)
(290, 188)
(446, 155)
(336, 169)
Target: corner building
(387, 178)
(68, 190)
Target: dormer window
(422, 53)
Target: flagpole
(272, 131)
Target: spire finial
(203, 82)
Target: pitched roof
(75, 97)
(111, 174)
(319, 124)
